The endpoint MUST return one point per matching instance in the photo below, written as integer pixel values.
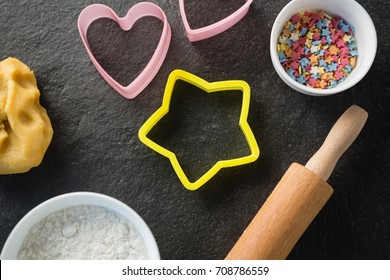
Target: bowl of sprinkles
(321, 48)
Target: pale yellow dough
(25, 128)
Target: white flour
(83, 232)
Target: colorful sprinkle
(317, 50)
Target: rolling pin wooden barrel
(298, 197)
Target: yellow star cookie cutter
(210, 88)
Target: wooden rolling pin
(298, 197)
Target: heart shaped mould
(142, 9)
(215, 28)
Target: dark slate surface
(96, 148)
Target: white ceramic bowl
(15, 239)
(354, 14)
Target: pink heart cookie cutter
(142, 9)
(215, 28)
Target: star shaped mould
(209, 88)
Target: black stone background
(96, 147)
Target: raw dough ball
(25, 128)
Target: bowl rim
(41, 211)
(279, 21)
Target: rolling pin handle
(340, 137)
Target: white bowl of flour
(81, 226)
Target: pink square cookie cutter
(142, 9)
(215, 28)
